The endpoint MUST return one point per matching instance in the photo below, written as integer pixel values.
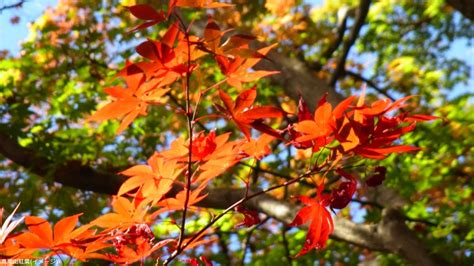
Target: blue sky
(11, 35)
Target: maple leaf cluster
(175, 179)
(347, 130)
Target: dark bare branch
(18, 4)
(466, 7)
(327, 54)
(361, 14)
(71, 173)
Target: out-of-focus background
(57, 56)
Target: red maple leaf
(374, 130)
(315, 129)
(342, 195)
(168, 58)
(204, 145)
(378, 177)
(321, 224)
(250, 217)
(146, 12)
(195, 261)
(303, 114)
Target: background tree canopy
(57, 165)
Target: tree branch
(466, 7)
(390, 235)
(71, 173)
(362, 12)
(296, 79)
(11, 6)
(340, 36)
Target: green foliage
(406, 46)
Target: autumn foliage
(174, 180)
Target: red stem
(189, 116)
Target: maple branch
(390, 235)
(259, 169)
(224, 247)
(189, 117)
(327, 54)
(198, 122)
(286, 245)
(361, 14)
(365, 202)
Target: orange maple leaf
(196, 4)
(155, 179)
(177, 203)
(125, 213)
(236, 67)
(63, 238)
(257, 148)
(245, 115)
(131, 101)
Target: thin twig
(287, 177)
(286, 245)
(198, 122)
(246, 243)
(370, 83)
(365, 202)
